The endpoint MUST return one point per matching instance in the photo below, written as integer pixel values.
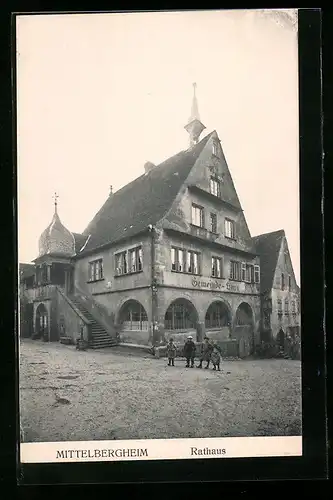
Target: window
(121, 263)
(135, 260)
(282, 282)
(249, 277)
(216, 267)
(96, 270)
(279, 307)
(185, 261)
(235, 270)
(129, 261)
(213, 223)
(177, 259)
(257, 274)
(289, 283)
(197, 216)
(215, 149)
(243, 271)
(192, 266)
(229, 228)
(240, 271)
(215, 187)
(286, 307)
(293, 307)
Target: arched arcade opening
(42, 322)
(217, 315)
(133, 317)
(244, 329)
(181, 316)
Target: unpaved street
(108, 394)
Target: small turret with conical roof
(56, 239)
(194, 126)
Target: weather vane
(55, 197)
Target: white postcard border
(160, 449)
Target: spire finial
(111, 189)
(55, 197)
(195, 109)
(194, 126)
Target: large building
(168, 254)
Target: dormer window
(215, 186)
(215, 149)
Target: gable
(284, 265)
(268, 247)
(211, 163)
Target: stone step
(102, 345)
(99, 336)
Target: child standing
(216, 358)
(189, 351)
(171, 352)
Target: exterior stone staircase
(99, 336)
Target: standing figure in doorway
(206, 352)
(171, 352)
(189, 351)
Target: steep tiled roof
(143, 201)
(80, 240)
(268, 246)
(26, 271)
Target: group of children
(209, 353)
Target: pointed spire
(195, 109)
(194, 126)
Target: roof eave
(110, 244)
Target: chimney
(148, 166)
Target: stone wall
(68, 321)
(112, 282)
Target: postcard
(158, 236)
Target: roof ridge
(143, 201)
(282, 231)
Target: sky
(98, 95)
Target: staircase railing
(97, 311)
(87, 323)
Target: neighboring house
(280, 294)
(168, 254)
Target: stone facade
(157, 286)
(282, 313)
(133, 286)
